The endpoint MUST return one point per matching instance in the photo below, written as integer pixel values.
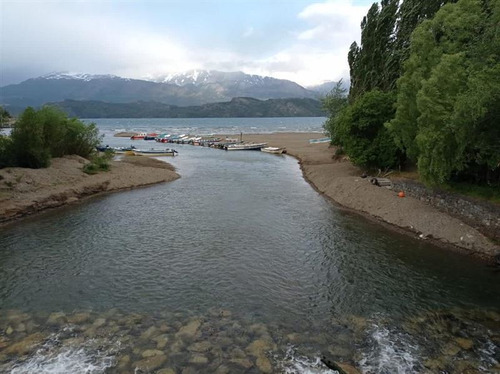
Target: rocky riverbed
(459, 341)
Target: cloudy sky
(300, 40)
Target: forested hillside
(425, 91)
(237, 107)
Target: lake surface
(209, 126)
(238, 262)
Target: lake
(238, 266)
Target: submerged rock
(464, 343)
(222, 369)
(264, 365)
(21, 327)
(259, 347)
(150, 363)
(151, 352)
(99, 322)
(190, 330)
(203, 346)
(26, 345)
(166, 371)
(243, 362)
(149, 333)
(57, 318)
(198, 359)
(450, 349)
(123, 363)
(79, 318)
(161, 341)
(349, 369)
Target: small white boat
(320, 140)
(275, 150)
(245, 146)
(153, 152)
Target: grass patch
(98, 163)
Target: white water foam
(293, 364)
(390, 352)
(88, 358)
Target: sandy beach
(340, 181)
(24, 192)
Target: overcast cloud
(300, 40)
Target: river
(238, 266)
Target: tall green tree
(410, 14)
(447, 116)
(333, 103)
(372, 63)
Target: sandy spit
(340, 181)
(24, 192)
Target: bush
(5, 151)
(98, 162)
(28, 146)
(48, 132)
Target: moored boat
(245, 146)
(154, 152)
(121, 150)
(141, 135)
(144, 136)
(275, 150)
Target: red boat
(143, 135)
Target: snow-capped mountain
(78, 76)
(205, 77)
(194, 77)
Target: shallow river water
(240, 266)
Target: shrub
(98, 162)
(5, 151)
(48, 132)
(360, 130)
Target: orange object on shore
(401, 194)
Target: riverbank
(24, 192)
(340, 180)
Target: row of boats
(214, 142)
(133, 151)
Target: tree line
(424, 91)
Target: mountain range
(192, 88)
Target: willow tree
(448, 116)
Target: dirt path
(341, 181)
(27, 191)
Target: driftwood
(381, 182)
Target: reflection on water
(244, 234)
